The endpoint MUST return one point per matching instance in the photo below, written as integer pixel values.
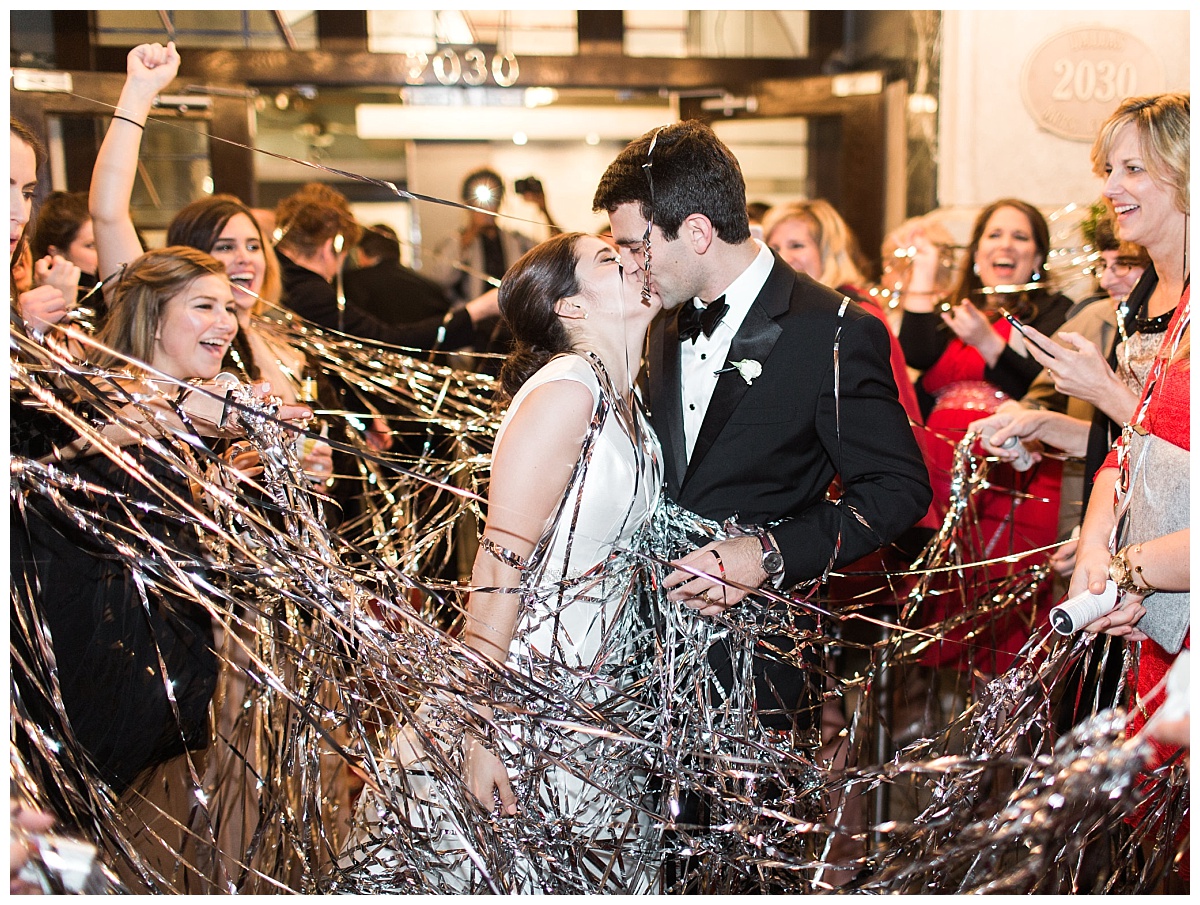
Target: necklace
(1156, 324)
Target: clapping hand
(974, 329)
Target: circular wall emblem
(1074, 80)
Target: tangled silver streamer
(333, 758)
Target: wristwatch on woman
(1123, 575)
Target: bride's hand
(487, 779)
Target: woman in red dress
(973, 360)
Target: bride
(548, 797)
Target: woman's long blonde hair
(834, 239)
(1163, 123)
(138, 299)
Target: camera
(529, 184)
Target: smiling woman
(973, 361)
(172, 309)
(220, 225)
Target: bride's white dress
(569, 704)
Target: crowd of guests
(997, 353)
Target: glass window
(528, 32)
(173, 170)
(206, 29)
(716, 33)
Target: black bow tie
(692, 319)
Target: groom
(763, 386)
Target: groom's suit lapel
(754, 340)
(668, 405)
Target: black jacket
(394, 294)
(313, 297)
(770, 449)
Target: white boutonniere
(747, 367)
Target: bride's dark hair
(528, 293)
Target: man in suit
(759, 409)
(383, 286)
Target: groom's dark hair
(691, 172)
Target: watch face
(773, 562)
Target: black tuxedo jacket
(394, 294)
(768, 451)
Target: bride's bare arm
(530, 470)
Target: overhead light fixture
(520, 138)
(922, 103)
(540, 97)
(182, 103)
(487, 123)
(727, 103)
(40, 80)
(592, 138)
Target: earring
(1037, 275)
(975, 268)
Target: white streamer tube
(1072, 615)
(1023, 461)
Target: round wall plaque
(1076, 79)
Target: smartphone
(1029, 339)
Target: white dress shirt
(699, 361)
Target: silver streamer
(333, 758)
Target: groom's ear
(698, 230)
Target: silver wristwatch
(772, 559)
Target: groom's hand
(710, 580)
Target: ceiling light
(540, 97)
(520, 138)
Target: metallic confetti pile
(344, 696)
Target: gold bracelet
(1137, 570)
